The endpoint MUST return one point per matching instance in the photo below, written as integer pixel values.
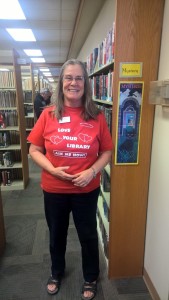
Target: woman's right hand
(61, 173)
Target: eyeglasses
(69, 78)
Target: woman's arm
(103, 159)
(37, 154)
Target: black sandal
(89, 287)
(55, 282)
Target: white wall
(157, 236)
(99, 30)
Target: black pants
(83, 207)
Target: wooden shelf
(31, 115)
(16, 165)
(107, 102)
(101, 211)
(103, 69)
(10, 128)
(15, 185)
(19, 169)
(8, 108)
(11, 147)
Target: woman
(78, 145)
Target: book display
(14, 173)
(100, 66)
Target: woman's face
(73, 85)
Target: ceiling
(60, 28)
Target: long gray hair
(90, 110)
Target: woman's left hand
(83, 178)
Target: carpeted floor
(25, 265)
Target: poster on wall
(130, 98)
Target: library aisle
(25, 265)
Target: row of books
(9, 137)
(13, 155)
(7, 79)
(108, 115)
(7, 98)
(104, 236)
(106, 210)
(28, 109)
(4, 139)
(102, 86)
(105, 181)
(103, 54)
(29, 123)
(8, 118)
(27, 97)
(6, 159)
(7, 176)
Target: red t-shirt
(71, 142)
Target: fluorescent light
(11, 9)
(47, 74)
(44, 70)
(37, 59)
(51, 79)
(33, 52)
(21, 34)
(3, 70)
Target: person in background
(42, 100)
(78, 146)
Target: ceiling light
(3, 70)
(44, 70)
(38, 59)
(47, 74)
(51, 79)
(11, 9)
(21, 34)
(33, 52)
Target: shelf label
(130, 69)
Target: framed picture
(130, 98)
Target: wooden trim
(150, 286)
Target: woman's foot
(53, 285)
(89, 290)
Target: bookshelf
(100, 67)
(28, 100)
(14, 169)
(134, 36)
(137, 39)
